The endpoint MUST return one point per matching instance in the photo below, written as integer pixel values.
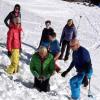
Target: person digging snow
(42, 67)
(69, 33)
(13, 46)
(82, 62)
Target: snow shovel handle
(89, 84)
(79, 22)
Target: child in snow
(82, 62)
(46, 31)
(42, 67)
(13, 46)
(54, 48)
(69, 33)
(12, 16)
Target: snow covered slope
(34, 13)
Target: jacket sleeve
(57, 47)
(74, 33)
(32, 67)
(70, 67)
(20, 36)
(51, 66)
(6, 20)
(87, 66)
(62, 36)
(9, 40)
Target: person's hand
(57, 68)
(9, 53)
(60, 43)
(64, 74)
(20, 50)
(42, 78)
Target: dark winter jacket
(40, 67)
(81, 61)
(54, 47)
(10, 17)
(45, 35)
(68, 33)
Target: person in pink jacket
(14, 46)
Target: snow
(34, 13)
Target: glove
(20, 50)
(64, 73)
(60, 43)
(9, 53)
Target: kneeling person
(82, 62)
(42, 67)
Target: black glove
(9, 54)
(20, 50)
(60, 44)
(64, 73)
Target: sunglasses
(72, 46)
(18, 23)
(17, 8)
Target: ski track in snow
(34, 13)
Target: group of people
(43, 61)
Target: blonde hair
(42, 49)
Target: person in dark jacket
(9, 20)
(54, 49)
(42, 67)
(69, 33)
(46, 31)
(82, 62)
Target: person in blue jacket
(82, 62)
(54, 49)
(69, 33)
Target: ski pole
(89, 91)
(79, 22)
